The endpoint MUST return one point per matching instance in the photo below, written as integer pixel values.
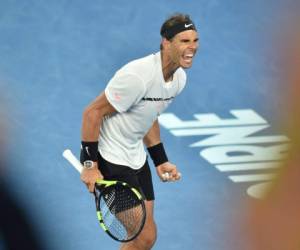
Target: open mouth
(188, 57)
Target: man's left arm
(157, 153)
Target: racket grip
(71, 158)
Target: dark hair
(175, 24)
(173, 21)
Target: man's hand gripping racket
(120, 208)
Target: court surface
(56, 56)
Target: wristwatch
(88, 164)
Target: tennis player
(122, 119)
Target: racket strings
(123, 213)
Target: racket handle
(71, 158)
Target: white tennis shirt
(139, 93)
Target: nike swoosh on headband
(187, 25)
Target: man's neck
(168, 67)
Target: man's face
(183, 47)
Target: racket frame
(100, 185)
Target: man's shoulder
(149, 59)
(142, 67)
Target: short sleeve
(124, 90)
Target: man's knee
(145, 242)
(148, 240)
(147, 237)
(142, 242)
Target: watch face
(88, 164)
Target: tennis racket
(120, 208)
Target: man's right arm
(92, 117)
(91, 122)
